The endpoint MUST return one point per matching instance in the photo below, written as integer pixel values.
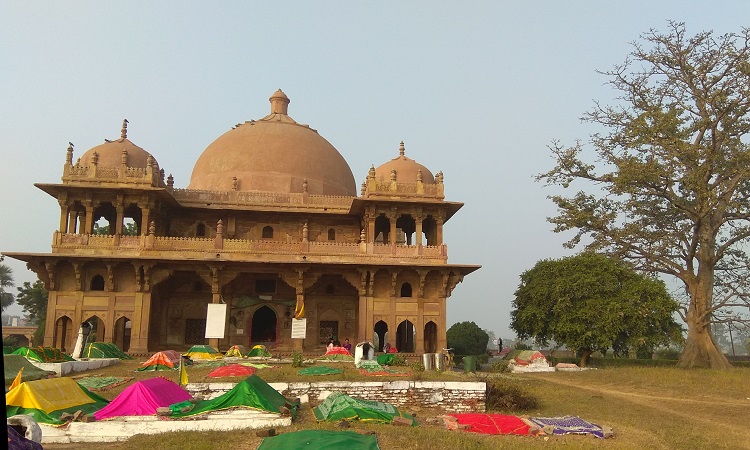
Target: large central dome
(273, 154)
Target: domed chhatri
(273, 154)
(406, 169)
(111, 153)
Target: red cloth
(232, 370)
(338, 351)
(493, 423)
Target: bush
(500, 366)
(466, 338)
(297, 359)
(398, 360)
(504, 395)
(667, 353)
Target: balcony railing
(239, 249)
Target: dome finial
(279, 102)
(124, 131)
(401, 149)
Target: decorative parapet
(240, 198)
(122, 174)
(374, 188)
(239, 249)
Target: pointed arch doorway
(263, 326)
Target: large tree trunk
(700, 349)
(585, 353)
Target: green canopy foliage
(33, 299)
(466, 338)
(670, 184)
(6, 281)
(591, 302)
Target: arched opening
(63, 334)
(382, 229)
(263, 326)
(429, 229)
(267, 232)
(405, 336)
(131, 223)
(331, 234)
(97, 283)
(408, 226)
(97, 329)
(406, 290)
(76, 218)
(105, 217)
(121, 337)
(200, 230)
(430, 337)
(381, 334)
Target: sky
(477, 90)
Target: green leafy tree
(671, 182)
(6, 281)
(591, 302)
(466, 338)
(33, 299)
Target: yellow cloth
(48, 395)
(183, 375)
(17, 380)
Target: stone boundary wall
(451, 396)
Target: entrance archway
(381, 333)
(63, 334)
(430, 337)
(263, 325)
(405, 335)
(97, 331)
(122, 333)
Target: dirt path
(679, 407)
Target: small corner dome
(273, 154)
(406, 169)
(110, 153)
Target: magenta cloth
(142, 398)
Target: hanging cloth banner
(216, 317)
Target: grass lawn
(648, 408)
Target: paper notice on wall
(216, 317)
(299, 328)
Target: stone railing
(239, 248)
(399, 189)
(187, 196)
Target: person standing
(347, 345)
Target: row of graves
(49, 405)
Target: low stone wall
(451, 396)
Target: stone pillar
(140, 322)
(418, 232)
(392, 233)
(439, 229)
(89, 219)
(64, 217)
(49, 324)
(215, 299)
(118, 220)
(144, 220)
(442, 339)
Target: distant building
(270, 225)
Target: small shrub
(398, 360)
(500, 366)
(667, 353)
(503, 395)
(297, 359)
(522, 346)
(416, 367)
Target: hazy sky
(475, 89)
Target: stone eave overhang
(359, 204)
(55, 189)
(217, 260)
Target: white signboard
(299, 328)
(216, 317)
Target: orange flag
(17, 380)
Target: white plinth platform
(64, 368)
(121, 429)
